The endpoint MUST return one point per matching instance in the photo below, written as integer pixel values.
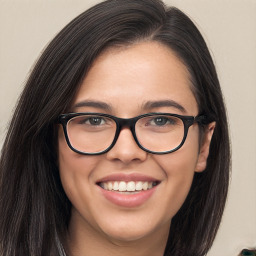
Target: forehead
(129, 76)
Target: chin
(133, 231)
(128, 236)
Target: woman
(119, 143)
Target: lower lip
(128, 200)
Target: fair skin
(125, 79)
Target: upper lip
(126, 177)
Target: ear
(205, 147)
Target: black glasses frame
(130, 123)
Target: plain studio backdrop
(229, 28)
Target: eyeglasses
(97, 133)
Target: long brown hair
(34, 210)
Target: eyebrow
(163, 103)
(92, 103)
(146, 106)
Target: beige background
(229, 27)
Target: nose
(126, 149)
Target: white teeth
(110, 186)
(130, 186)
(105, 185)
(145, 186)
(116, 186)
(139, 185)
(122, 186)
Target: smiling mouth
(130, 186)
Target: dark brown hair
(34, 210)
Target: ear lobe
(205, 147)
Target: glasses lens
(160, 133)
(91, 133)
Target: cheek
(75, 171)
(179, 168)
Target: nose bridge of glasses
(122, 123)
(126, 123)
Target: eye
(96, 120)
(162, 120)
(93, 120)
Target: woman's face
(127, 82)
